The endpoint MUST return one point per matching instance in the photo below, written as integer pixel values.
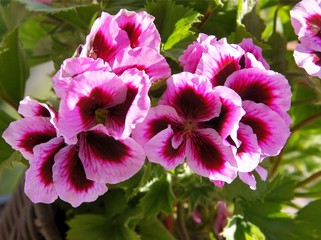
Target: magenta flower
(309, 59)
(182, 126)
(140, 29)
(72, 67)
(103, 98)
(192, 55)
(111, 34)
(306, 21)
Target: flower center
(101, 115)
(189, 126)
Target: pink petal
(248, 178)
(308, 59)
(87, 101)
(270, 129)
(306, 21)
(227, 123)
(32, 108)
(221, 61)
(136, 105)
(26, 133)
(39, 185)
(160, 150)
(108, 160)
(157, 120)
(262, 86)
(70, 179)
(263, 173)
(140, 28)
(249, 47)
(105, 39)
(209, 157)
(72, 67)
(147, 59)
(248, 154)
(192, 55)
(192, 97)
(29, 107)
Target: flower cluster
(306, 21)
(74, 151)
(223, 114)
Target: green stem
(306, 122)
(310, 179)
(275, 18)
(307, 194)
(181, 221)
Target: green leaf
(5, 149)
(13, 14)
(115, 202)
(158, 199)
(309, 219)
(238, 228)
(277, 52)
(243, 8)
(172, 21)
(80, 16)
(94, 226)
(154, 229)
(14, 69)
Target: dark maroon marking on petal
(119, 112)
(133, 33)
(206, 153)
(255, 91)
(317, 58)
(77, 176)
(157, 125)
(32, 139)
(217, 122)
(42, 111)
(169, 152)
(229, 66)
(258, 126)
(242, 61)
(101, 48)
(314, 23)
(120, 70)
(190, 104)
(98, 99)
(107, 148)
(46, 167)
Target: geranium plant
(166, 119)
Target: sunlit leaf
(159, 198)
(238, 228)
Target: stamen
(101, 115)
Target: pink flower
(306, 21)
(309, 59)
(182, 125)
(140, 29)
(103, 98)
(111, 34)
(192, 55)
